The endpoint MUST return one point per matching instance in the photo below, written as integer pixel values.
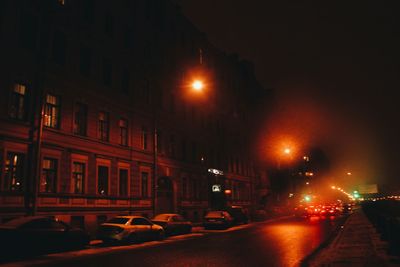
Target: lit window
(18, 102)
(51, 111)
(49, 176)
(78, 177)
(14, 172)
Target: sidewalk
(357, 244)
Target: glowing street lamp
(287, 151)
(198, 85)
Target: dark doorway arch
(165, 195)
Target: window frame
(103, 126)
(105, 183)
(83, 118)
(46, 173)
(123, 132)
(18, 101)
(124, 167)
(54, 110)
(6, 184)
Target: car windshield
(118, 220)
(162, 217)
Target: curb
(305, 262)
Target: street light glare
(197, 85)
(287, 151)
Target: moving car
(129, 229)
(173, 223)
(218, 219)
(34, 235)
(238, 214)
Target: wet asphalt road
(277, 243)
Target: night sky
(334, 68)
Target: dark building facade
(98, 117)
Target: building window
(104, 126)
(78, 177)
(52, 111)
(49, 176)
(18, 105)
(123, 182)
(14, 172)
(85, 61)
(107, 72)
(123, 132)
(144, 138)
(80, 119)
(102, 180)
(145, 184)
(59, 47)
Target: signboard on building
(216, 188)
(216, 172)
(368, 189)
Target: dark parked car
(173, 224)
(217, 219)
(238, 214)
(36, 235)
(129, 229)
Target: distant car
(173, 223)
(37, 235)
(328, 210)
(218, 219)
(238, 214)
(129, 229)
(347, 208)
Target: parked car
(218, 219)
(36, 235)
(173, 223)
(129, 229)
(238, 214)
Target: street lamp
(197, 85)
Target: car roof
(169, 214)
(17, 222)
(129, 216)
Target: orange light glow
(228, 191)
(197, 85)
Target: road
(283, 242)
